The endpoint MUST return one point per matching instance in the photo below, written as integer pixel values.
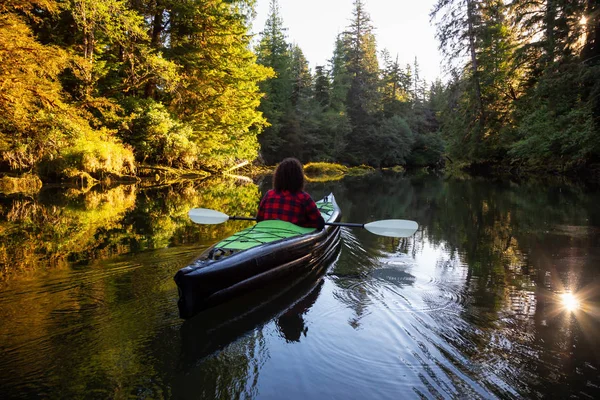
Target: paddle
(386, 227)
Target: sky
(401, 26)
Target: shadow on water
(221, 347)
(214, 329)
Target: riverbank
(588, 173)
(29, 183)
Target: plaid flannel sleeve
(313, 215)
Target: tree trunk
(591, 49)
(590, 55)
(474, 64)
(550, 19)
(157, 29)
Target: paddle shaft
(234, 218)
(348, 224)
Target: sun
(583, 20)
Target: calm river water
(496, 296)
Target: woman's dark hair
(289, 175)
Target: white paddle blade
(393, 227)
(207, 216)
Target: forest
(102, 88)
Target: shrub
(157, 137)
(323, 168)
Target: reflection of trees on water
(228, 374)
(94, 318)
(86, 323)
(365, 199)
(362, 200)
(111, 328)
(59, 227)
(499, 230)
(503, 233)
(70, 225)
(83, 331)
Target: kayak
(254, 257)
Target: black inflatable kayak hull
(208, 282)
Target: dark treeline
(352, 110)
(525, 82)
(102, 86)
(523, 91)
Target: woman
(288, 201)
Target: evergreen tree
(363, 95)
(220, 96)
(394, 95)
(556, 126)
(340, 75)
(530, 80)
(322, 87)
(485, 85)
(590, 56)
(300, 76)
(458, 26)
(362, 65)
(38, 124)
(335, 124)
(174, 80)
(298, 134)
(418, 90)
(274, 52)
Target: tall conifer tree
(363, 94)
(274, 52)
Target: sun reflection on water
(570, 302)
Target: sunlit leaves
(219, 95)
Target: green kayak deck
(270, 231)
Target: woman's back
(297, 208)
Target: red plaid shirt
(297, 208)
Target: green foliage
(37, 124)
(530, 101)
(159, 138)
(274, 52)
(395, 87)
(353, 112)
(177, 81)
(550, 139)
(333, 132)
(99, 157)
(221, 93)
(30, 95)
(427, 150)
(340, 77)
(96, 153)
(322, 87)
(323, 168)
(395, 141)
